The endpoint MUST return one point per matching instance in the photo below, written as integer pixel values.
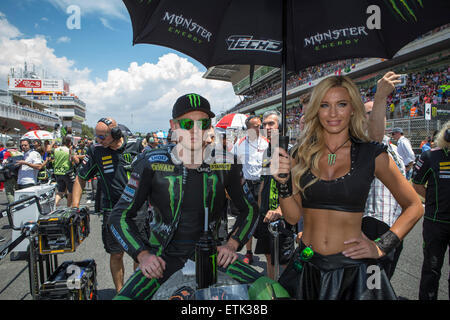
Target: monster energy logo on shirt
(194, 100)
(127, 157)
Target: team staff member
(269, 205)
(110, 158)
(29, 166)
(382, 210)
(433, 168)
(250, 153)
(180, 183)
(64, 171)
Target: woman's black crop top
(348, 193)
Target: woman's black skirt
(335, 277)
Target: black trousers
(254, 185)
(436, 240)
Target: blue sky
(99, 56)
(97, 46)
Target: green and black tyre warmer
(138, 287)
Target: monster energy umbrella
(291, 34)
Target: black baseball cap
(395, 130)
(191, 102)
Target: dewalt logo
(194, 100)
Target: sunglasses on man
(101, 137)
(188, 124)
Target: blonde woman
(328, 181)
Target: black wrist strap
(285, 189)
(387, 241)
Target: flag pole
(283, 67)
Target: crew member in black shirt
(111, 159)
(433, 168)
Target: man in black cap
(181, 182)
(110, 158)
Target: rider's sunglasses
(101, 137)
(188, 124)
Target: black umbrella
(291, 34)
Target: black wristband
(387, 241)
(285, 189)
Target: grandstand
(425, 61)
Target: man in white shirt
(382, 210)
(250, 152)
(29, 166)
(404, 150)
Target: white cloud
(140, 97)
(63, 39)
(106, 24)
(109, 8)
(7, 31)
(17, 50)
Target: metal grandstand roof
(223, 72)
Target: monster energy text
(194, 29)
(331, 35)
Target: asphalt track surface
(14, 279)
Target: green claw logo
(172, 180)
(194, 100)
(127, 158)
(403, 8)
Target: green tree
(87, 131)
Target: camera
(402, 80)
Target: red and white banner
(37, 85)
(25, 83)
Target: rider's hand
(151, 266)
(281, 163)
(226, 255)
(364, 248)
(272, 215)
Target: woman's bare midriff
(327, 230)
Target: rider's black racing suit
(178, 196)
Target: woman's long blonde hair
(440, 141)
(312, 143)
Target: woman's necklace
(332, 154)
